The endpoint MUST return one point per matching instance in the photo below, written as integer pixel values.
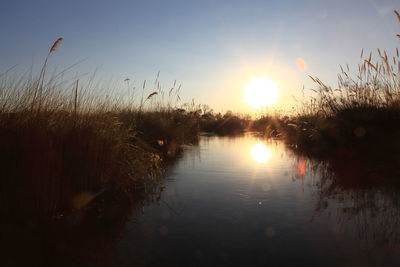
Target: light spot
(266, 187)
(359, 132)
(269, 231)
(82, 199)
(163, 230)
(301, 167)
(301, 64)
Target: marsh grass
(74, 165)
(56, 160)
(363, 111)
(348, 137)
(226, 124)
(63, 147)
(270, 125)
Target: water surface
(245, 201)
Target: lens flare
(301, 167)
(301, 64)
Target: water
(244, 201)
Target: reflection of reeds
(363, 193)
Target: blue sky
(212, 47)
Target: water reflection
(237, 205)
(261, 153)
(301, 167)
(360, 190)
(233, 202)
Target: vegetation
(61, 151)
(363, 112)
(269, 125)
(227, 124)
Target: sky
(212, 47)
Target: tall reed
(362, 110)
(62, 150)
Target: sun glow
(261, 92)
(261, 153)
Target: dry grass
(363, 110)
(62, 148)
(227, 124)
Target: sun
(261, 92)
(261, 153)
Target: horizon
(213, 49)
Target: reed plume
(397, 15)
(56, 44)
(398, 18)
(37, 94)
(151, 95)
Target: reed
(362, 111)
(226, 124)
(63, 147)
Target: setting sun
(261, 92)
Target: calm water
(244, 201)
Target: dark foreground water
(239, 201)
(247, 202)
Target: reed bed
(56, 159)
(224, 124)
(63, 147)
(362, 111)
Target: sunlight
(261, 92)
(261, 153)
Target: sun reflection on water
(261, 153)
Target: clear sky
(212, 47)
